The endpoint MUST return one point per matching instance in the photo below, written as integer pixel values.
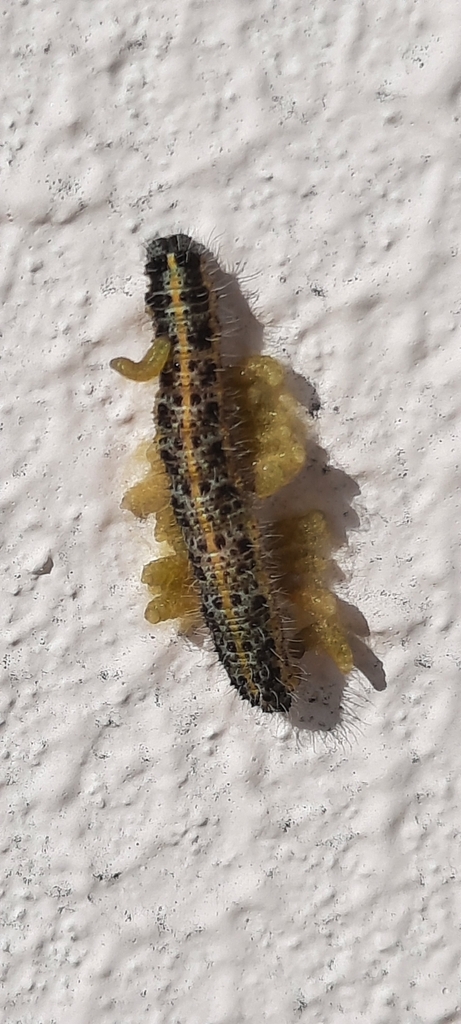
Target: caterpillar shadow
(326, 702)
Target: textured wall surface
(168, 855)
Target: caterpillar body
(204, 490)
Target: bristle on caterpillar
(225, 438)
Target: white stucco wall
(167, 855)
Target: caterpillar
(225, 439)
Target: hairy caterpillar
(226, 438)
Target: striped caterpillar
(226, 438)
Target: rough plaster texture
(167, 855)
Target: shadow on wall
(324, 692)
